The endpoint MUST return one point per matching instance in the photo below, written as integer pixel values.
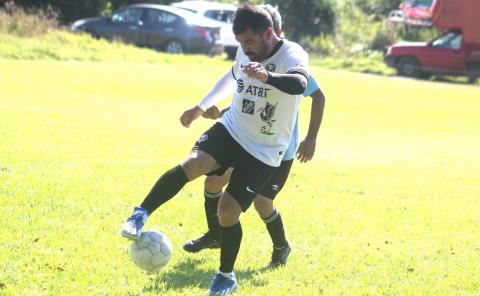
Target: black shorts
(277, 180)
(249, 176)
(219, 172)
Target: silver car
(161, 27)
(222, 14)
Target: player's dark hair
(251, 17)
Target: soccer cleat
(206, 241)
(280, 256)
(132, 229)
(222, 285)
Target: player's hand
(257, 71)
(190, 115)
(212, 113)
(306, 150)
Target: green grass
(372, 64)
(60, 45)
(389, 205)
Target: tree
(69, 10)
(303, 18)
(119, 3)
(300, 17)
(378, 8)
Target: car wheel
(174, 46)
(409, 67)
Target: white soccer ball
(151, 251)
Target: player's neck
(274, 46)
(274, 42)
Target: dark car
(156, 26)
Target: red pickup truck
(455, 52)
(446, 54)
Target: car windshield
(224, 16)
(451, 40)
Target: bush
(377, 8)
(17, 21)
(412, 33)
(320, 46)
(382, 40)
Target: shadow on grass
(187, 275)
(452, 79)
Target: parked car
(161, 27)
(413, 12)
(222, 14)
(446, 54)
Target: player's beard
(262, 54)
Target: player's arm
(292, 83)
(215, 113)
(306, 149)
(223, 88)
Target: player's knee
(191, 167)
(228, 213)
(225, 211)
(198, 164)
(213, 184)
(264, 207)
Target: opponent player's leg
(202, 160)
(248, 176)
(271, 216)
(213, 190)
(273, 220)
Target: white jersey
(261, 117)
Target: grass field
(390, 205)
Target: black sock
(211, 205)
(166, 187)
(231, 238)
(275, 229)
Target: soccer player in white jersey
(252, 136)
(263, 203)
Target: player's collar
(275, 49)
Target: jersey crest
(271, 67)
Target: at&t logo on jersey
(261, 92)
(257, 91)
(240, 85)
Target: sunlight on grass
(389, 205)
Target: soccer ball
(151, 251)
